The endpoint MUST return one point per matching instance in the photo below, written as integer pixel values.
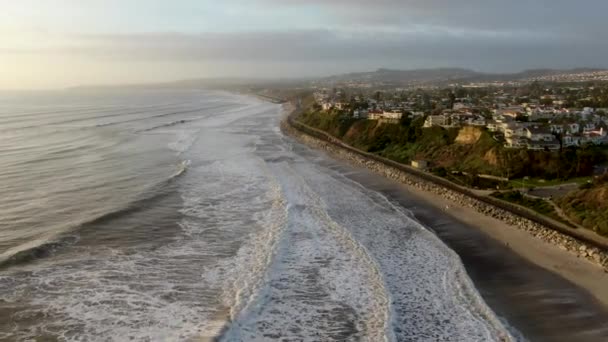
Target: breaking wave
(66, 236)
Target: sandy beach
(579, 271)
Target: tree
(452, 100)
(378, 96)
(461, 92)
(536, 90)
(406, 119)
(546, 101)
(426, 102)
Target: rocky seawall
(581, 249)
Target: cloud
(564, 17)
(306, 37)
(483, 50)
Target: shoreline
(578, 262)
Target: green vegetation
(537, 182)
(589, 206)
(480, 154)
(538, 205)
(472, 180)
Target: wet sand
(544, 293)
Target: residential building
(436, 120)
(420, 164)
(360, 114)
(539, 133)
(394, 115)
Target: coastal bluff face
(589, 207)
(468, 135)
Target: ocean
(186, 215)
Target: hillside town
(534, 119)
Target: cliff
(589, 207)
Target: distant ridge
(449, 75)
(383, 76)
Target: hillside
(420, 76)
(467, 150)
(442, 76)
(471, 150)
(589, 207)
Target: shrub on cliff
(589, 206)
(408, 140)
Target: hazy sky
(56, 43)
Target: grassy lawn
(537, 183)
(538, 205)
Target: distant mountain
(406, 76)
(380, 77)
(449, 75)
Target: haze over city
(54, 44)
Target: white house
(492, 126)
(574, 128)
(374, 114)
(510, 112)
(598, 137)
(392, 115)
(436, 120)
(420, 164)
(340, 105)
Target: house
(538, 114)
(597, 137)
(340, 105)
(510, 112)
(461, 106)
(394, 115)
(327, 106)
(477, 120)
(557, 129)
(374, 114)
(574, 128)
(420, 164)
(436, 120)
(360, 114)
(571, 140)
(543, 145)
(513, 132)
(386, 116)
(586, 112)
(589, 127)
(539, 133)
(492, 126)
(516, 141)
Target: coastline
(582, 264)
(548, 256)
